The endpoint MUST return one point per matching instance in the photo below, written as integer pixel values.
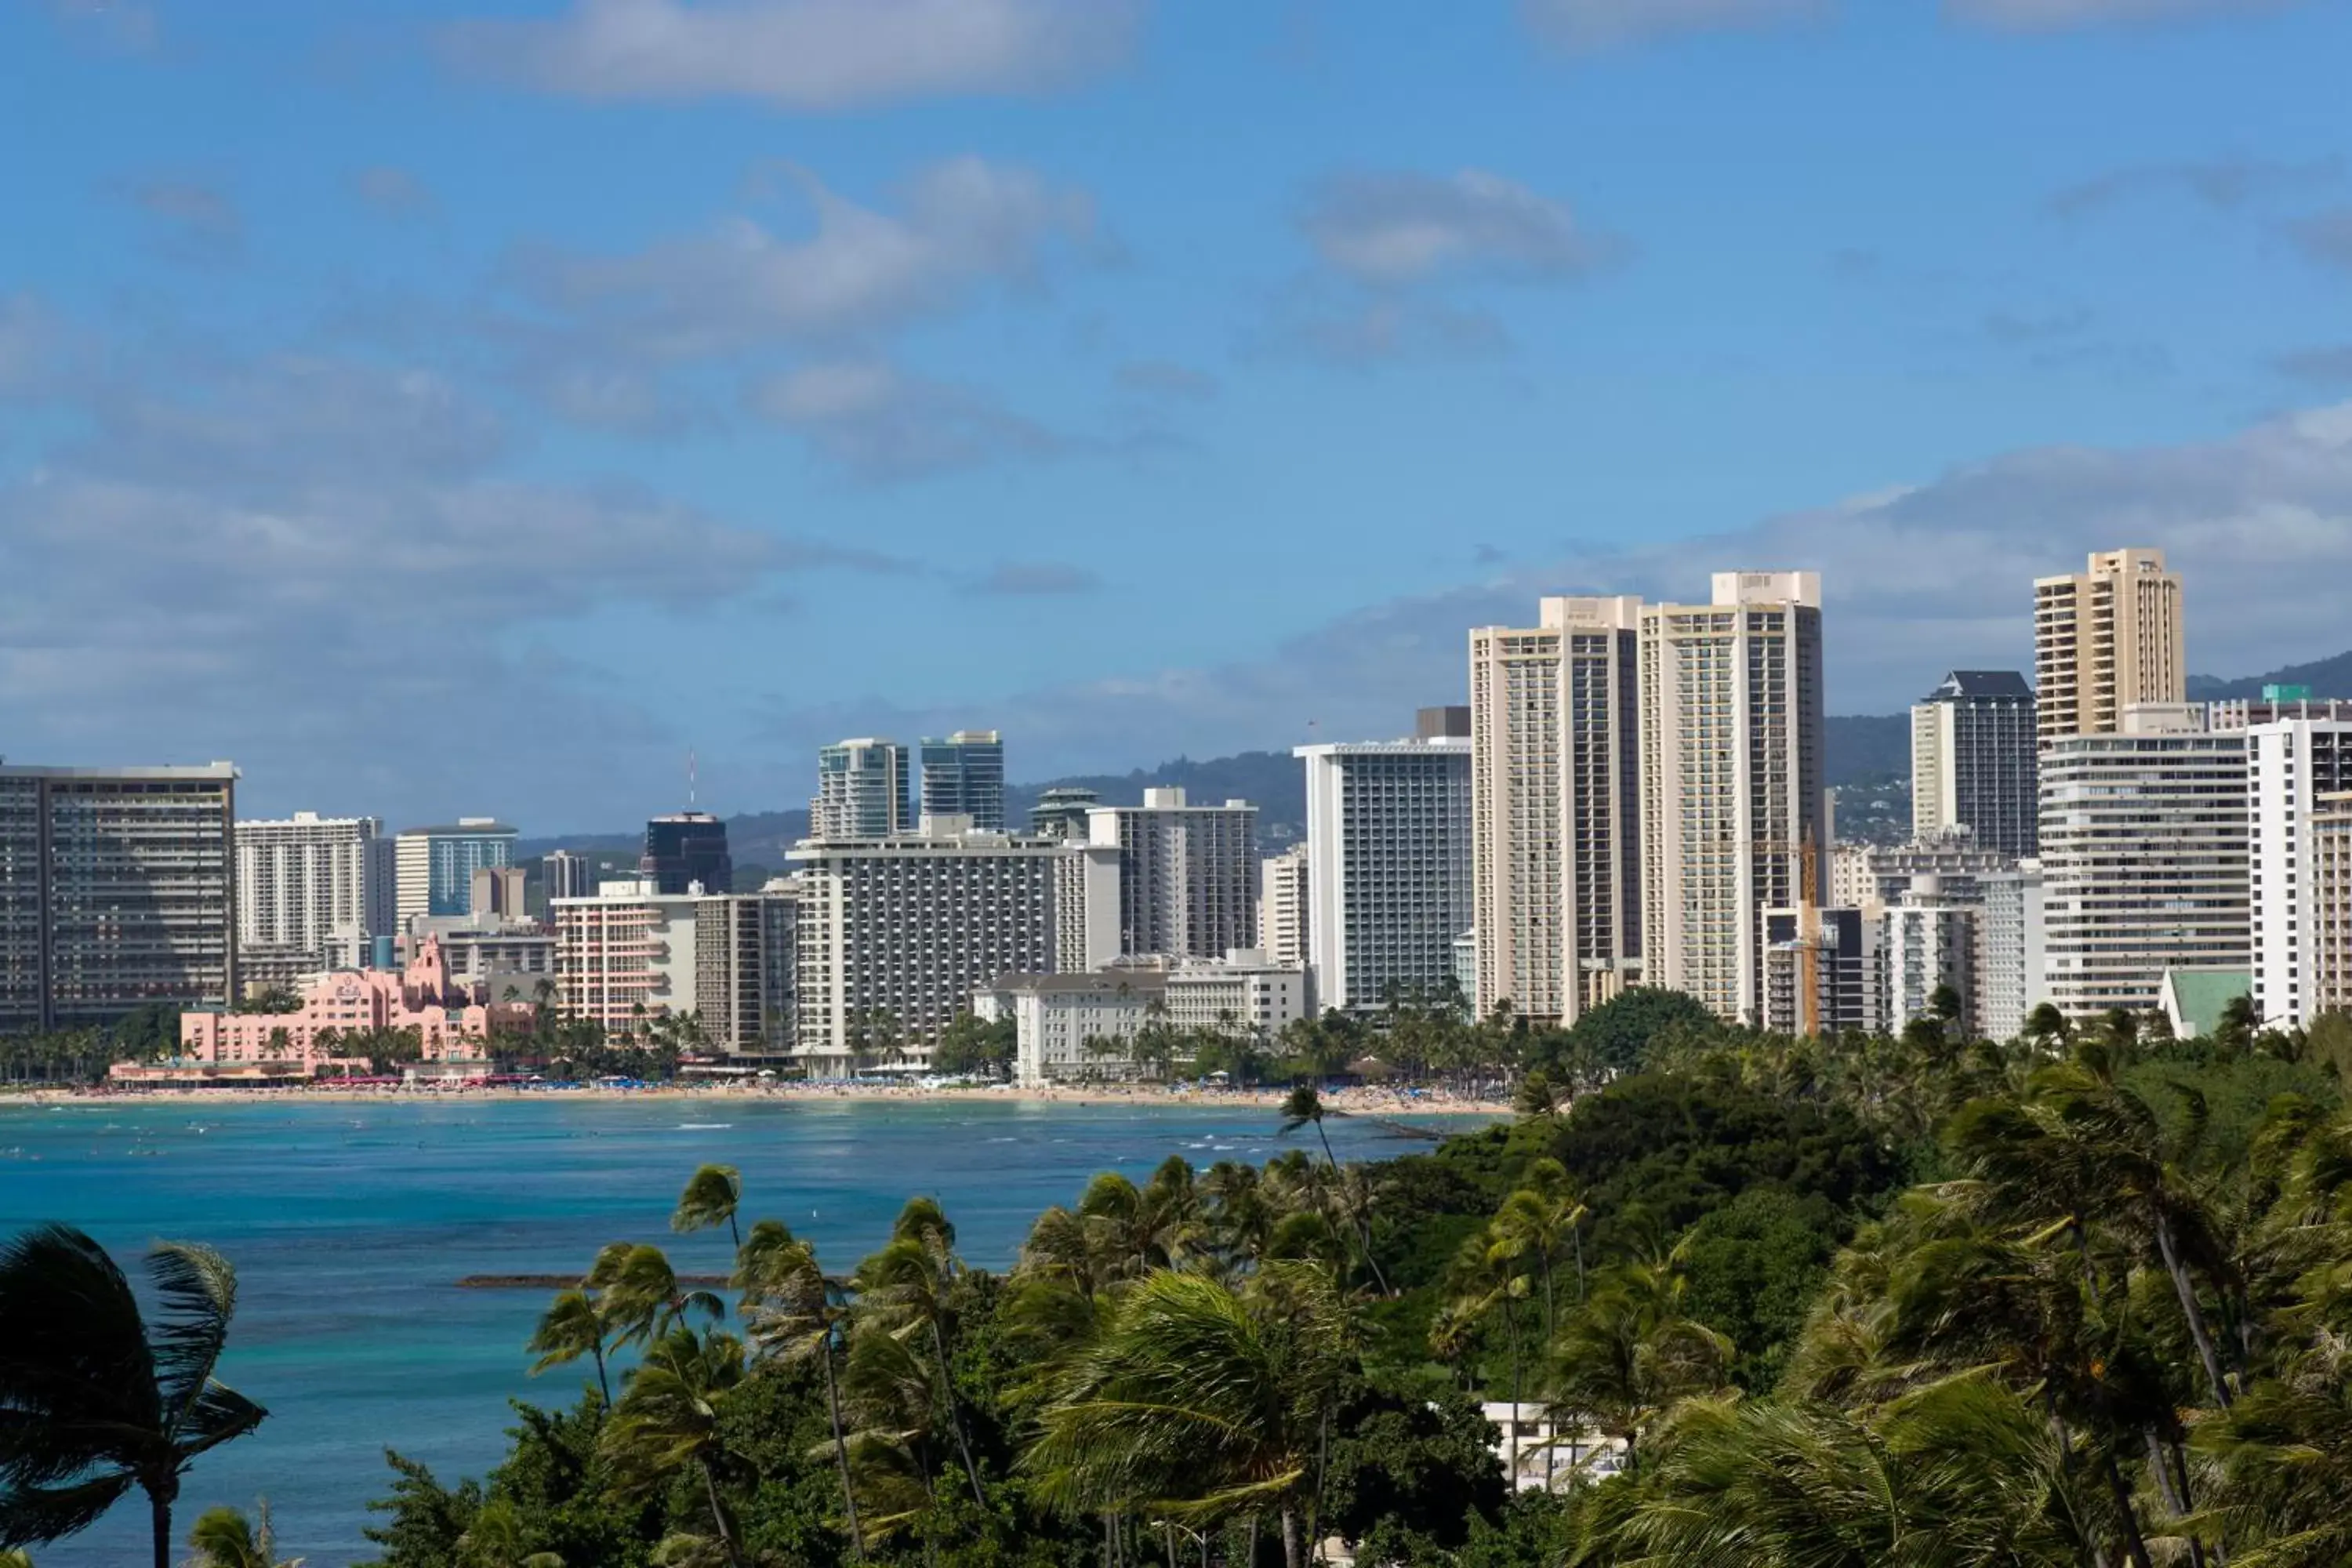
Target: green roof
(2198, 995)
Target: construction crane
(1811, 936)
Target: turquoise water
(349, 1224)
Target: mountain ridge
(1863, 748)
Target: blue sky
(471, 406)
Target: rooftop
(1982, 685)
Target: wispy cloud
(394, 192)
(883, 425)
(1020, 579)
(1586, 25)
(808, 54)
(2060, 15)
(192, 220)
(2225, 185)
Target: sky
(477, 406)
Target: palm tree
(1304, 1106)
(641, 1297)
(669, 1422)
(573, 1326)
(1631, 1351)
(1542, 1220)
(904, 1289)
(93, 1400)
(711, 1196)
(1203, 1403)
(793, 1310)
(223, 1537)
(495, 1540)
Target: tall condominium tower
(1388, 869)
(2293, 766)
(745, 957)
(307, 884)
(1973, 741)
(436, 865)
(963, 775)
(861, 790)
(1282, 907)
(117, 888)
(684, 848)
(2103, 639)
(1734, 817)
(1555, 788)
(2144, 861)
(1187, 877)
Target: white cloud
(2226, 185)
(193, 220)
(881, 425)
(1389, 228)
(962, 223)
(1919, 580)
(1583, 26)
(2057, 15)
(819, 55)
(317, 568)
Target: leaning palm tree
(903, 1290)
(573, 1326)
(793, 1310)
(1201, 1403)
(93, 1400)
(223, 1537)
(1304, 1105)
(669, 1423)
(711, 1196)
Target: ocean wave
(704, 1126)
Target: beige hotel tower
(2103, 639)
(1555, 787)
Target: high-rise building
(1555, 791)
(745, 954)
(1926, 944)
(2144, 863)
(896, 932)
(117, 888)
(2293, 765)
(625, 954)
(436, 866)
(1282, 932)
(568, 875)
(1061, 812)
(308, 886)
(2010, 964)
(1973, 741)
(1187, 874)
(2103, 639)
(1733, 817)
(496, 896)
(1451, 722)
(1388, 870)
(687, 849)
(2331, 898)
(963, 775)
(861, 790)
(1821, 971)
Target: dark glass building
(686, 848)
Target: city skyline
(427, 371)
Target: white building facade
(1283, 899)
(2010, 962)
(309, 885)
(2144, 858)
(2292, 765)
(1388, 870)
(896, 934)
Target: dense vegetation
(2080, 1299)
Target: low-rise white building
(1083, 1026)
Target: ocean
(350, 1224)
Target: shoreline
(1366, 1102)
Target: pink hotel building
(453, 1018)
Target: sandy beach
(1351, 1101)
